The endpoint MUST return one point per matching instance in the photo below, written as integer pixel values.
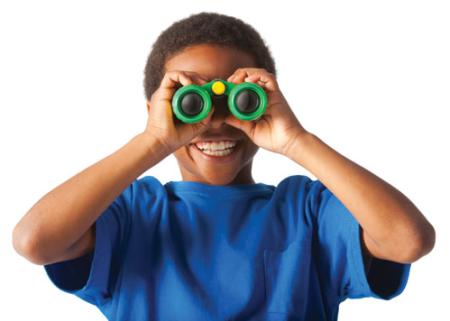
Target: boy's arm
(60, 226)
(393, 228)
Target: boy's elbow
(25, 245)
(422, 244)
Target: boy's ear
(148, 106)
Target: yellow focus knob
(218, 88)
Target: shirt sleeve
(340, 253)
(92, 277)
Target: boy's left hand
(278, 128)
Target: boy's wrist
(153, 146)
(141, 153)
(299, 146)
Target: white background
(371, 79)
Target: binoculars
(192, 103)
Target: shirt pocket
(286, 278)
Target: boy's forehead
(205, 68)
(211, 62)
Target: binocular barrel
(193, 103)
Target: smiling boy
(217, 245)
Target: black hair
(201, 28)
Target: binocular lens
(247, 101)
(191, 104)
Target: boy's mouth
(215, 150)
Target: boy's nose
(221, 111)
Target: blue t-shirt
(191, 251)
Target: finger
(264, 80)
(173, 78)
(244, 72)
(196, 77)
(256, 75)
(238, 76)
(200, 79)
(167, 93)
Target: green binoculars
(193, 103)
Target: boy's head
(213, 45)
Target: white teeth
(215, 146)
(222, 148)
(218, 152)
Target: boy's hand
(278, 128)
(162, 124)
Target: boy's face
(213, 62)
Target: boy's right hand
(162, 124)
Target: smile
(223, 150)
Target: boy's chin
(219, 179)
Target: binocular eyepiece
(193, 103)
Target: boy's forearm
(64, 214)
(391, 220)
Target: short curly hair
(200, 28)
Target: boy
(217, 245)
